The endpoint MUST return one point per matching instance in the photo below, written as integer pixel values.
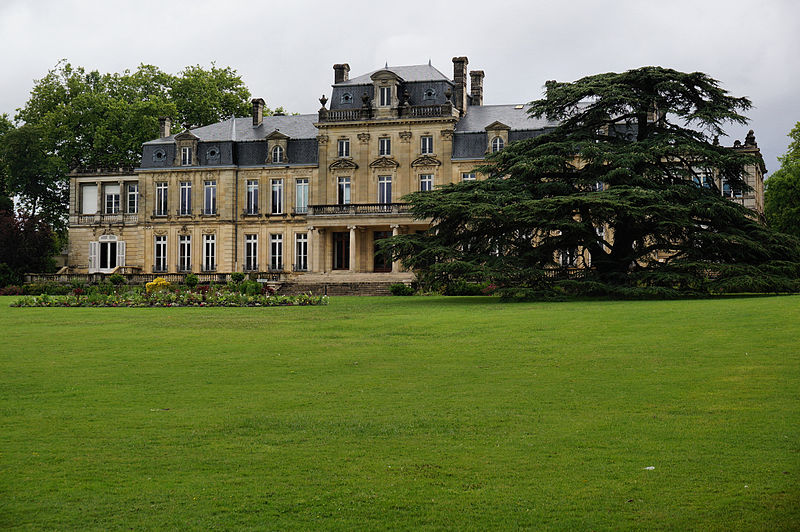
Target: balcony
(100, 219)
(404, 111)
(358, 209)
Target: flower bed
(169, 298)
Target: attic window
(430, 94)
(347, 97)
(159, 155)
(212, 153)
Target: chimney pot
(258, 111)
(341, 72)
(476, 85)
(164, 125)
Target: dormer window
(347, 97)
(277, 154)
(385, 96)
(430, 94)
(186, 156)
(497, 144)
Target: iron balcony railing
(357, 209)
(91, 219)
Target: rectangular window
(344, 147)
(277, 196)
(184, 253)
(161, 199)
(343, 191)
(301, 196)
(468, 176)
(133, 199)
(112, 199)
(251, 252)
(186, 156)
(210, 201)
(252, 196)
(384, 146)
(160, 254)
(301, 252)
(427, 144)
(426, 182)
(185, 208)
(88, 199)
(385, 96)
(276, 252)
(209, 253)
(384, 189)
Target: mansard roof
(515, 116)
(242, 130)
(408, 73)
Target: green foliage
(782, 194)
(401, 289)
(191, 280)
(541, 196)
(237, 277)
(27, 244)
(460, 287)
(208, 96)
(116, 279)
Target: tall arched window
(277, 154)
(497, 144)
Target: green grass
(401, 413)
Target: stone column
(122, 203)
(353, 249)
(395, 264)
(99, 198)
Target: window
(341, 250)
(88, 199)
(568, 257)
(112, 199)
(344, 147)
(277, 154)
(599, 186)
(160, 254)
(730, 192)
(209, 253)
(186, 156)
(186, 198)
(251, 252)
(426, 182)
(276, 252)
(210, 206)
(184, 253)
(385, 146)
(343, 191)
(277, 196)
(384, 189)
(252, 196)
(430, 94)
(301, 196)
(133, 199)
(426, 144)
(497, 144)
(347, 97)
(468, 176)
(161, 199)
(301, 252)
(386, 96)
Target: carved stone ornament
(209, 231)
(343, 164)
(405, 136)
(384, 162)
(447, 134)
(323, 101)
(426, 160)
(160, 232)
(322, 139)
(363, 137)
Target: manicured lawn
(433, 413)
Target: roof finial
(429, 61)
(386, 65)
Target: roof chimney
(341, 73)
(460, 80)
(258, 111)
(476, 86)
(164, 125)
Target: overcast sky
(284, 51)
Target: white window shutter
(93, 247)
(120, 253)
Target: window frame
(384, 146)
(133, 193)
(426, 144)
(251, 196)
(468, 176)
(210, 197)
(425, 182)
(185, 198)
(343, 191)
(184, 253)
(276, 196)
(186, 156)
(279, 158)
(301, 252)
(113, 203)
(251, 252)
(159, 253)
(276, 251)
(301, 187)
(209, 252)
(162, 198)
(497, 144)
(385, 189)
(343, 148)
(385, 96)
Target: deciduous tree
(782, 196)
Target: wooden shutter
(93, 249)
(120, 253)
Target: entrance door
(341, 251)
(383, 261)
(108, 256)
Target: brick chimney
(341, 73)
(164, 125)
(476, 87)
(460, 80)
(258, 111)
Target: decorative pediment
(496, 125)
(385, 74)
(276, 135)
(186, 135)
(426, 160)
(343, 164)
(384, 162)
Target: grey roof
(514, 116)
(242, 130)
(407, 73)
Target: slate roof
(480, 116)
(242, 130)
(407, 73)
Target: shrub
(463, 288)
(191, 280)
(401, 289)
(116, 279)
(53, 289)
(158, 284)
(251, 288)
(11, 290)
(101, 288)
(237, 277)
